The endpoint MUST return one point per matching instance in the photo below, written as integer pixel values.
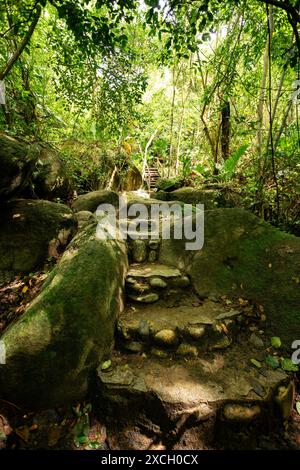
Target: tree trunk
(146, 151)
(262, 93)
(225, 129)
(184, 100)
(283, 124)
(5, 71)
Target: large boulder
(17, 164)
(167, 185)
(246, 257)
(31, 231)
(31, 169)
(94, 167)
(212, 198)
(52, 350)
(131, 180)
(90, 201)
(50, 180)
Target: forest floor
(77, 427)
(60, 429)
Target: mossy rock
(50, 180)
(129, 179)
(17, 164)
(31, 169)
(211, 198)
(52, 350)
(246, 257)
(165, 184)
(91, 201)
(31, 231)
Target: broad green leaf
(95, 445)
(288, 365)
(83, 439)
(256, 363)
(152, 3)
(298, 407)
(272, 362)
(106, 365)
(230, 164)
(276, 342)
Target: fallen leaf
(53, 436)
(259, 389)
(256, 363)
(23, 433)
(33, 427)
(272, 361)
(106, 365)
(95, 445)
(276, 341)
(25, 289)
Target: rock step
(185, 330)
(208, 397)
(148, 270)
(147, 283)
(141, 251)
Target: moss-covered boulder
(52, 350)
(31, 231)
(17, 164)
(50, 180)
(211, 198)
(245, 257)
(130, 180)
(167, 184)
(90, 201)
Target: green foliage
(288, 365)
(272, 361)
(230, 165)
(87, 165)
(276, 342)
(171, 184)
(256, 363)
(157, 75)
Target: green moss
(26, 229)
(68, 327)
(245, 257)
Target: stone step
(161, 404)
(184, 330)
(146, 283)
(147, 271)
(143, 250)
